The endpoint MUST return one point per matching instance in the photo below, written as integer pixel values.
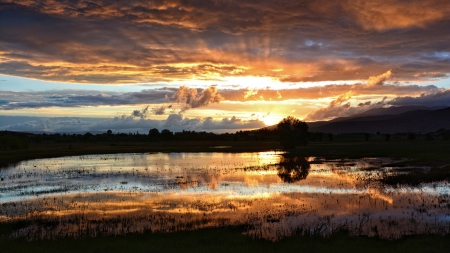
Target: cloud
(158, 98)
(441, 98)
(45, 124)
(78, 41)
(190, 98)
(159, 110)
(342, 98)
(125, 124)
(249, 93)
(395, 14)
(365, 104)
(378, 80)
(237, 16)
(337, 107)
(343, 110)
(231, 121)
(140, 113)
(144, 112)
(80, 98)
(279, 95)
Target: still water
(270, 195)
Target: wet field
(272, 196)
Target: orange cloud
(395, 14)
(190, 98)
(378, 80)
(337, 108)
(162, 41)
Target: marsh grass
(229, 239)
(433, 154)
(419, 151)
(418, 176)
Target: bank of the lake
(418, 151)
(54, 149)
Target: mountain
(424, 120)
(393, 110)
(385, 112)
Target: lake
(272, 196)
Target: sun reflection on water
(273, 195)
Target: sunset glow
(246, 64)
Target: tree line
(290, 132)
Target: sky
(215, 65)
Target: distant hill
(388, 120)
(393, 110)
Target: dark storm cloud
(250, 14)
(133, 41)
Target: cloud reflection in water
(272, 194)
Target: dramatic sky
(215, 65)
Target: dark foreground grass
(417, 176)
(426, 151)
(417, 150)
(229, 239)
(52, 149)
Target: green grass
(229, 239)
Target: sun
(271, 120)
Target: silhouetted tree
(292, 132)
(293, 169)
(387, 137)
(166, 134)
(446, 135)
(154, 133)
(330, 136)
(411, 136)
(87, 136)
(109, 132)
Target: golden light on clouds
(267, 60)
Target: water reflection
(293, 169)
(271, 195)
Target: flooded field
(270, 195)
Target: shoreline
(53, 150)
